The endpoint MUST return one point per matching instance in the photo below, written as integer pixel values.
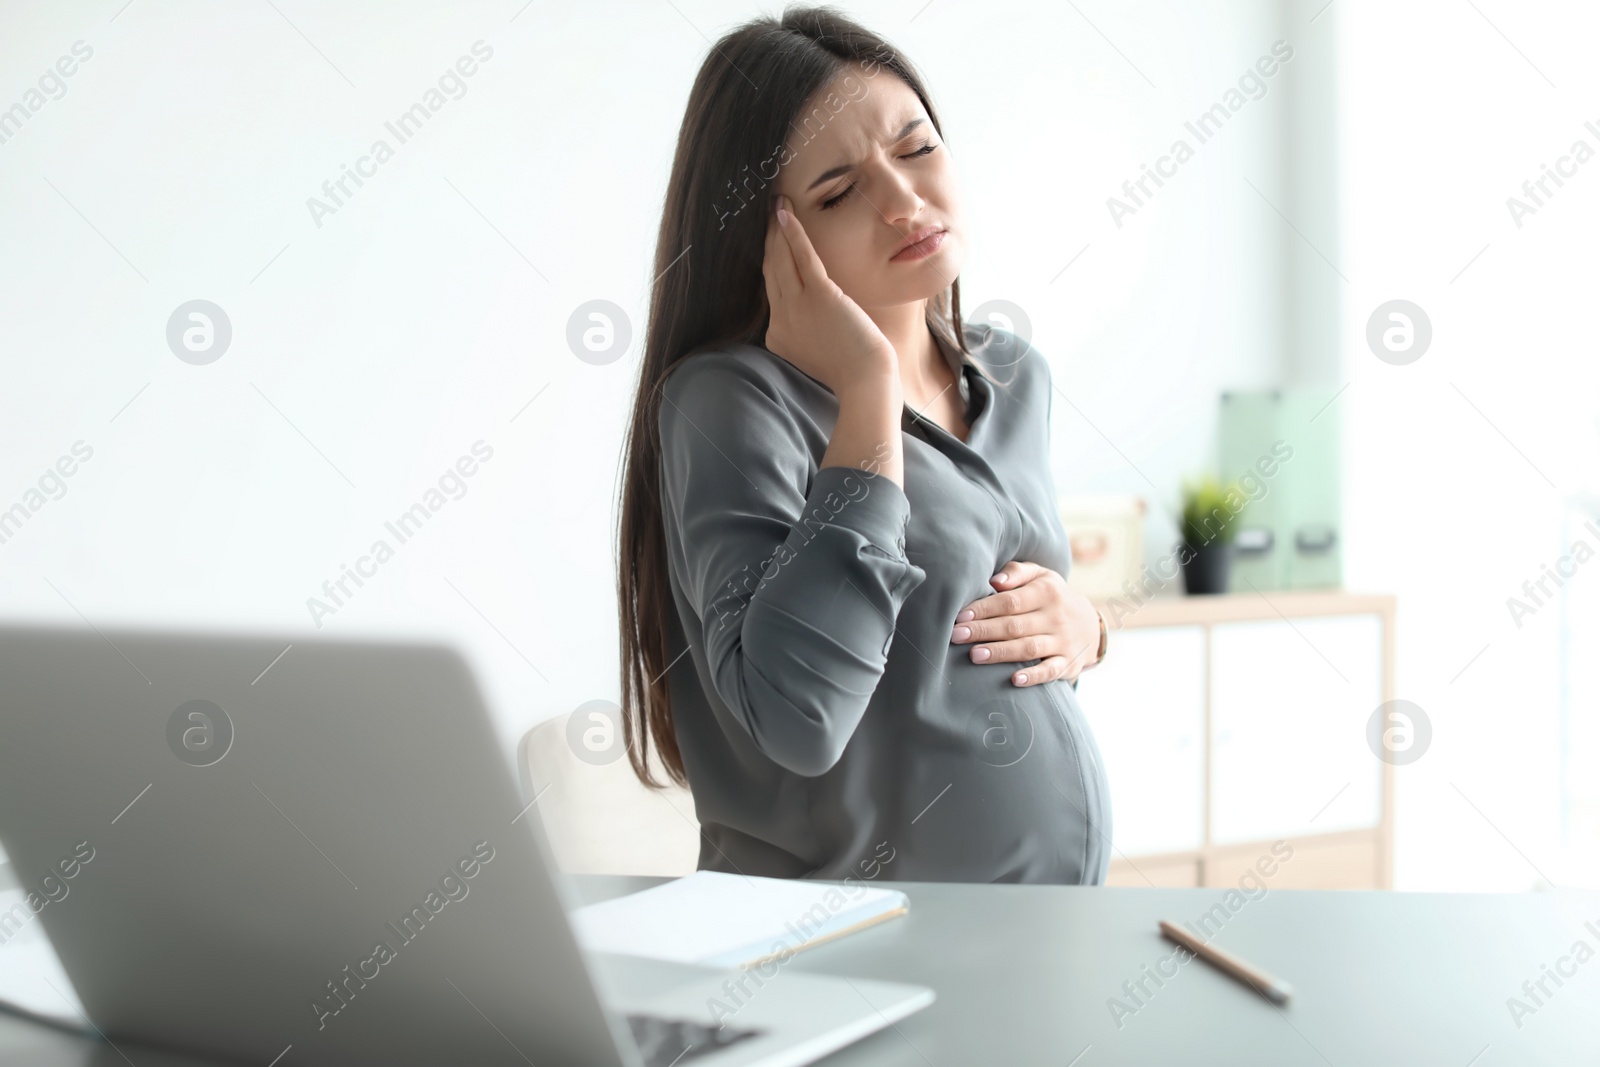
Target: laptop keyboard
(664, 1042)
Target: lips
(921, 243)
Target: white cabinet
(1230, 722)
(1290, 702)
(1146, 707)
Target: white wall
(1450, 507)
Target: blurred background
(227, 379)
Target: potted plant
(1209, 511)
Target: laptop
(286, 850)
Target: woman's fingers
(1034, 646)
(1017, 572)
(811, 272)
(1046, 670)
(1008, 602)
(782, 258)
(1002, 627)
(769, 266)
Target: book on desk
(732, 920)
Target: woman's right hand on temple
(813, 323)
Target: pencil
(1272, 988)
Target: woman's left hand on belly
(1032, 616)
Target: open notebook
(731, 920)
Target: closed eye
(833, 201)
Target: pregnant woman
(844, 617)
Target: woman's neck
(923, 369)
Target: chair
(602, 819)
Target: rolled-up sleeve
(797, 573)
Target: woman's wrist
(879, 390)
(1100, 648)
(867, 434)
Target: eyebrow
(834, 172)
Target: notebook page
(710, 917)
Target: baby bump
(1003, 782)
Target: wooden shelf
(1350, 859)
(1239, 607)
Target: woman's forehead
(837, 130)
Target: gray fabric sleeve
(797, 574)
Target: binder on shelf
(1286, 442)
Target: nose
(900, 201)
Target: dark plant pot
(1205, 568)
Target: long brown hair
(709, 293)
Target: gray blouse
(828, 726)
